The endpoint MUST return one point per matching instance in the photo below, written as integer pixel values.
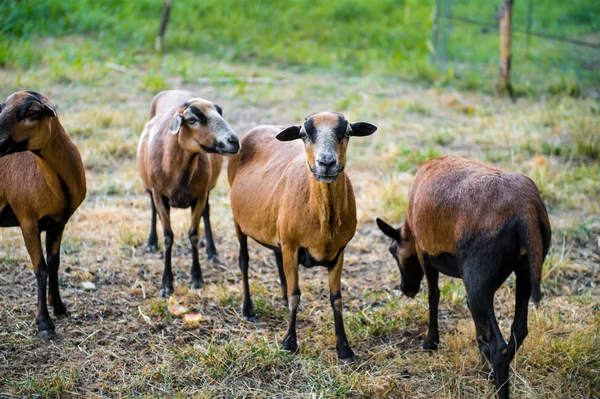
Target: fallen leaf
(193, 318)
(177, 310)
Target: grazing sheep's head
(200, 127)
(404, 251)
(325, 137)
(25, 122)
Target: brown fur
(163, 163)
(178, 172)
(479, 223)
(39, 191)
(451, 196)
(277, 200)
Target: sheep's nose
(233, 140)
(326, 160)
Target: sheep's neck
(60, 157)
(329, 199)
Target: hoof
(165, 293)
(290, 344)
(151, 248)
(430, 345)
(197, 284)
(46, 334)
(61, 311)
(201, 244)
(249, 314)
(346, 361)
(214, 260)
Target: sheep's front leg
(31, 234)
(345, 354)
(290, 268)
(163, 209)
(433, 295)
(197, 210)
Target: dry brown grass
(120, 341)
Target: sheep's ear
(291, 133)
(49, 110)
(219, 109)
(362, 129)
(176, 123)
(388, 230)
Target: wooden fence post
(158, 44)
(505, 22)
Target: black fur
(22, 110)
(445, 263)
(307, 260)
(8, 217)
(199, 114)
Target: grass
(121, 341)
(352, 37)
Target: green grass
(391, 37)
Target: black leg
(163, 209)
(290, 267)
(482, 309)
(519, 327)
(244, 258)
(196, 272)
(53, 240)
(31, 235)
(433, 336)
(152, 245)
(345, 353)
(211, 250)
(279, 260)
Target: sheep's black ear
(219, 109)
(176, 123)
(49, 110)
(388, 230)
(291, 133)
(362, 129)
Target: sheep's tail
(536, 239)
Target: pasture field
(275, 63)
(120, 341)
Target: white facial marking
(326, 141)
(218, 125)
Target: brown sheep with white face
(479, 223)
(296, 199)
(179, 160)
(42, 182)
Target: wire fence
(544, 39)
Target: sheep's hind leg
(244, 258)
(53, 240)
(196, 272)
(211, 250)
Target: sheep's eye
(303, 136)
(191, 121)
(34, 115)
